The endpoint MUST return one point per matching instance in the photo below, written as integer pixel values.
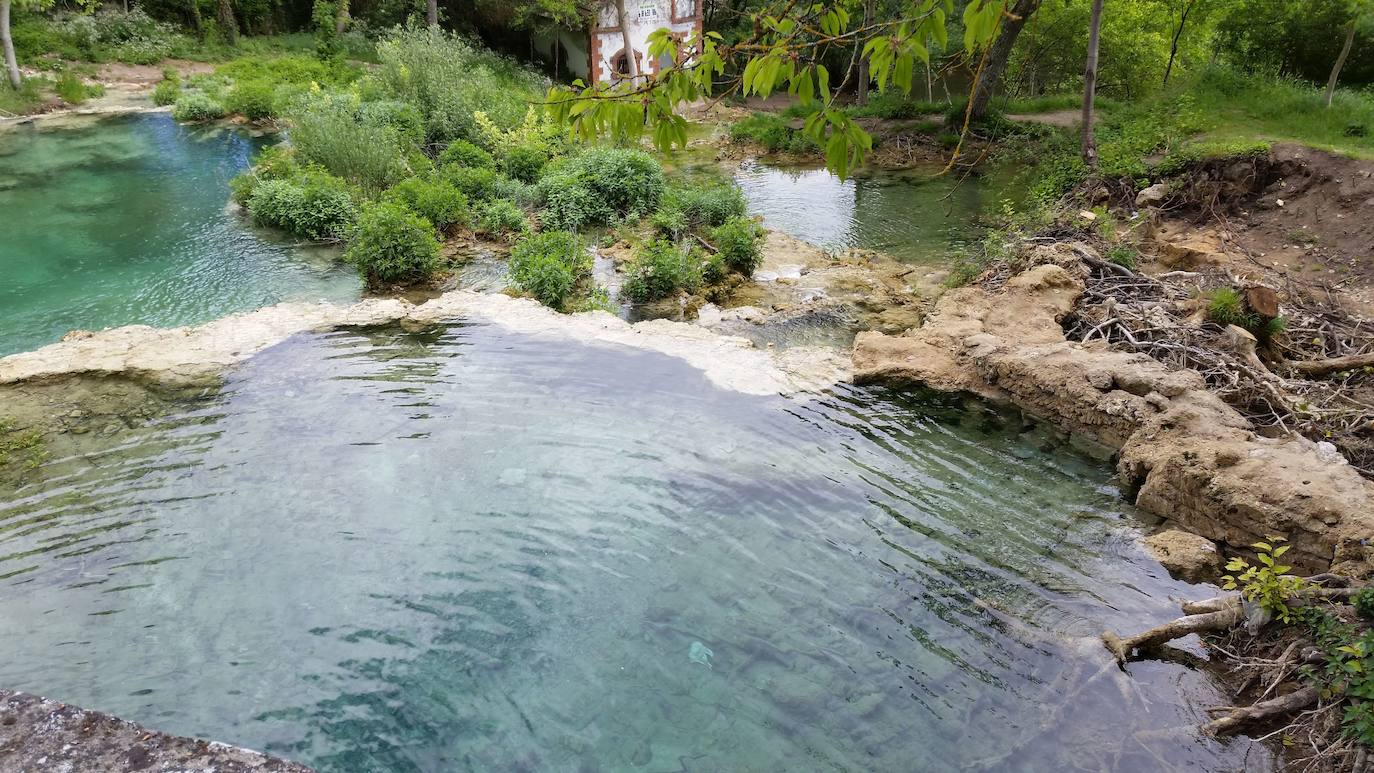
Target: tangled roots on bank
(1285, 672)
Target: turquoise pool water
(460, 549)
(123, 220)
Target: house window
(684, 10)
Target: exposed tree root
(1223, 618)
(1275, 707)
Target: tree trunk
(432, 13)
(862, 96)
(196, 22)
(1340, 62)
(997, 56)
(1090, 86)
(631, 66)
(227, 23)
(1178, 33)
(11, 65)
(341, 18)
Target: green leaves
(784, 52)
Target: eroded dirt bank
(1182, 452)
(37, 734)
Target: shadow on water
(462, 549)
(122, 220)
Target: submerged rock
(38, 734)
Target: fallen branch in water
(1223, 618)
(1275, 707)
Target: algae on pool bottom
(469, 549)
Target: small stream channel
(466, 549)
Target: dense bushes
(448, 80)
(132, 38)
(168, 90)
(524, 162)
(500, 219)
(659, 269)
(392, 244)
(703, 206)
(601, 186)
(436, 200)
(312, 204)
(464, 153)
(738, 241)
(549, 266)
(359, 142)
(772, 132)
(197, 106)
(476, 184)
(254, 100)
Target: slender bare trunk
(432, 13)
(862, 96)
(631, 66)
(341, 18)
(1090, 86)
(11, 64)
(1340, 62)
(227, 23)
(1178, 33)
(997, 56)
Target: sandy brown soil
(1308, 222)
(148, 74)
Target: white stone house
(598, 54)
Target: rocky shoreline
(38, 734)
(1181, 452)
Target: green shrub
(1123, 255)
(313, 204)
(464, 153)
(254, 100)
(706, 206)
(356, 143)
(713, 269)
(1364, 603)
(659, 269)
(500, 218)
(196, 106)
(774, 133)
(739, 241)
(476, 184)
(524, 162)
(549, 266)
(436, 200)
(448, 80)
(522, 193)
(601, 186)
(166, 92)
(72, 89)
(277, 162)
(291, 68)
(392, 244)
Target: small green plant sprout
(1268, 583)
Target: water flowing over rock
(1182, 452)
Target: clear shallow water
(461, 549)
(912, 215)
(123, 220)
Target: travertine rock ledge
(1182, 452)
(37, 734)
(190, 355)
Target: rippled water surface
(913, 215)
(122, 220)
(461, 549)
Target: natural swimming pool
(123, 220)
(465, 549)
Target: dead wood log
(1285, 704)
(1219, 620)
(1320, 368)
